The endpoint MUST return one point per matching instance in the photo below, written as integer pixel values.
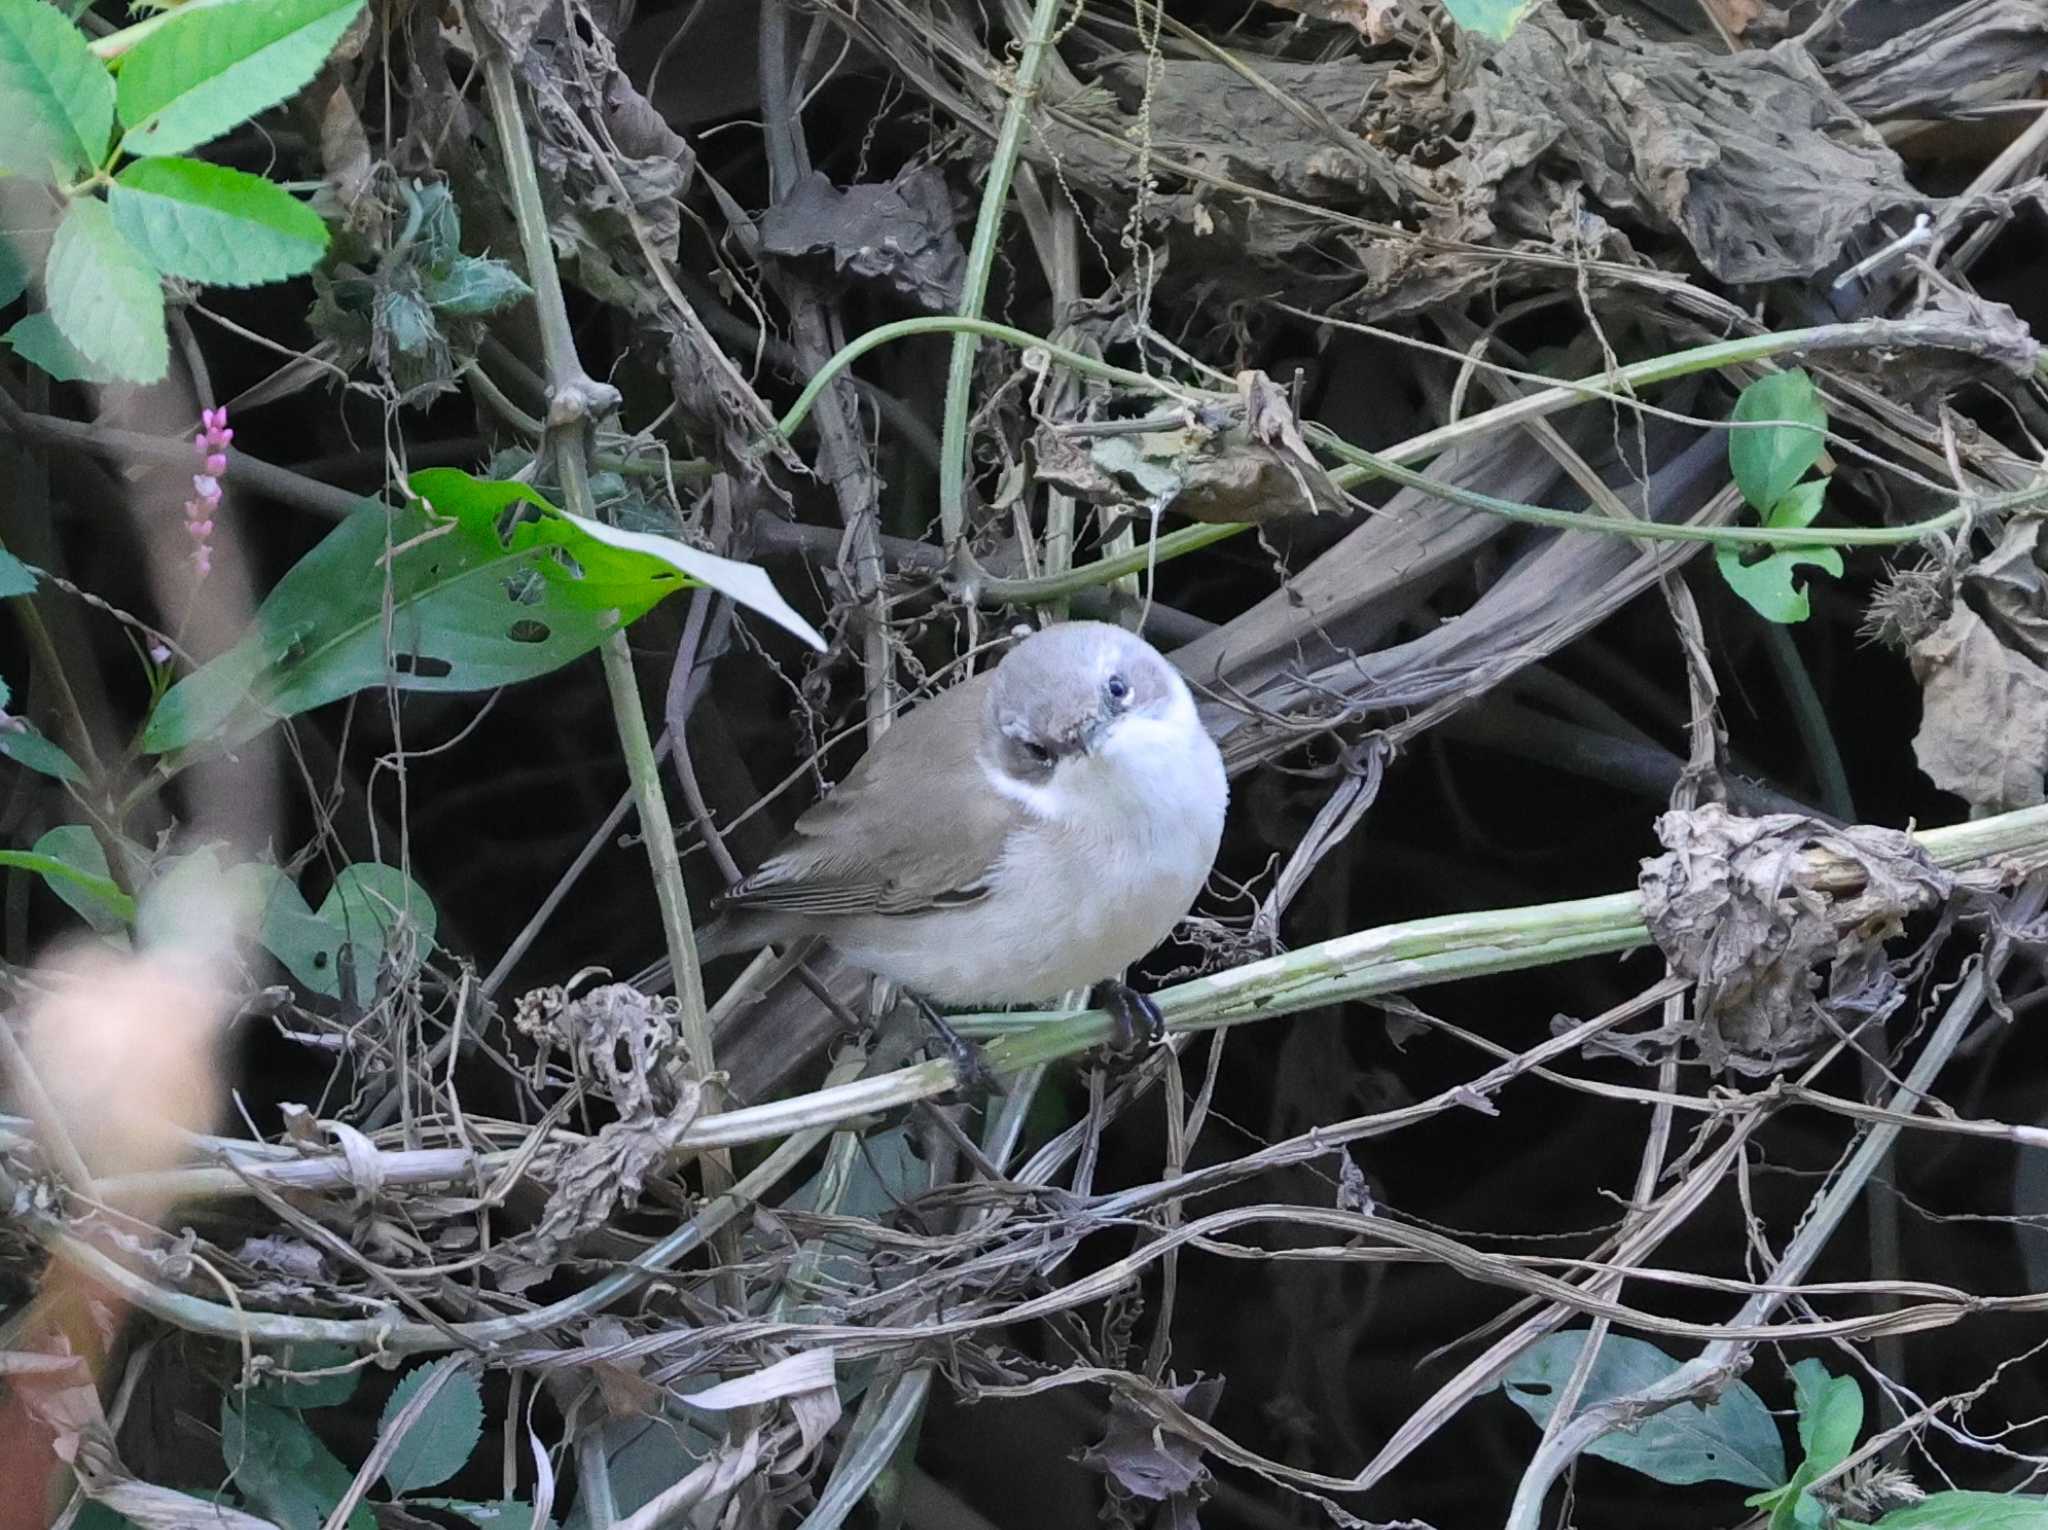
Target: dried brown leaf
(1984, 715)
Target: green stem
(981, 256)
(1363, 466)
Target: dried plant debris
(1148, 1458)
(1248, 463)
(1986, 51)
(1672, 138)
(1733, 906)
(896, 232)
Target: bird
(1033, 830)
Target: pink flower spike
(200, 446)
(216, 465)
(206, 487)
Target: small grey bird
(1033, 830)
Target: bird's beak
(1093, 733)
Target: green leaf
(1491, 18)
(203, 71)
(1733, 1439)
(1971, 1511)
(1768, 459)
(369, 912)
(283, 1469)
(317, 1391)
(16, 577)
(441, 1438)
(475, 286)
(24, 745)
(37, 340)
(1830, 1413)
(191, 898)
(56, 99)
(1767, 584)
(474, 607)
(105, 297)
(501, 1514)
(1802, 502)
(210, 224)
(13, 268)
(70, 860)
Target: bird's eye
(1119, 688)
(1037, 754)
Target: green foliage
(1830, 1418)
(499, 1514)
(37, 340)
(106, 298)
(370, 912)
(16, 578)
(1489, 18)
(1767, 463)
(473, 286)
(1970, 1511)
(1767, 459)
(1733, 1439)
(283, 1470)
(13, 265)
(317, 1391)
(56, 100)
(207, 69)
(211, 224)
(71, 862)
(477, 604)
(441, 1438)
(19, 740)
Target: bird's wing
(877, 844)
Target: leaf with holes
(207, 69)
(1768, 459)
(370, 912)
(440, 1440)
(56, 99)
(210, 224)
(107, 300)
(1767, 583)
(1732, 1439)
(475, 603)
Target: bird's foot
(968, 1060)
(1139, 1026)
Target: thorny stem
(575, 400)
(981, 258)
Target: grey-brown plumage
(1031, 830)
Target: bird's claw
(970, 1064)
(1139, 1026)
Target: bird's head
(1080, 691)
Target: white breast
(1113, 851)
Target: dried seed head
(1908, 605)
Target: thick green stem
(981, 257)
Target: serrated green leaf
(210, 224)
(1768, 459)
(71, 863)
(314, 1392)
(25, 745)
(440, 1440)
(16, 577)
(1733, 1439)
(369, 912)
(37, 340)
(107, 300)
(1490, 18)
(1767, 584)
(475, 286)
(469, 612)
(1801, 504)
(204, 71)
(282, 1468)
(56, 99)
(1970, 1511)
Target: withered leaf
(899, 232)
(1984, 715)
